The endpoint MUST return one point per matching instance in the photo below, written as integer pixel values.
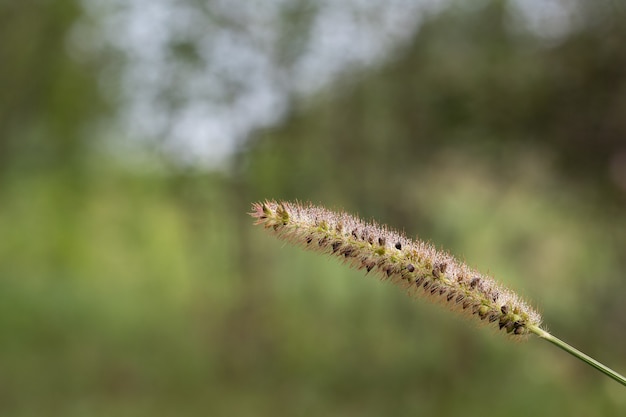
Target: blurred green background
(132, 282)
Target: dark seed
(507, 324)
(354, 235)
(309, 239)
(435, 273)
(336, 246)
(433, 289)
(442, 291)
(474, 282)
(381, 241)
(442, 267)
(370, 240)
(388, 270)
(323, 242)
(466, 304)
(426, 285)
(509, 327)
(410, 268)
(419, 281)
(450, 296)
(398, 245)
(504, 309)
(369, 267)
(519, 330)
(493, 318)
(459, 298)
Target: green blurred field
(144, 296)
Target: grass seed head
(414, 265)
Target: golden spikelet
(414, 265)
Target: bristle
(410, 264)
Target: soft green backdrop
(138, 286)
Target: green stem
(577, 353)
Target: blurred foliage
(48, 99)
(134, 291)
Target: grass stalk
(578, 354)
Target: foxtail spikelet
(414, 265)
